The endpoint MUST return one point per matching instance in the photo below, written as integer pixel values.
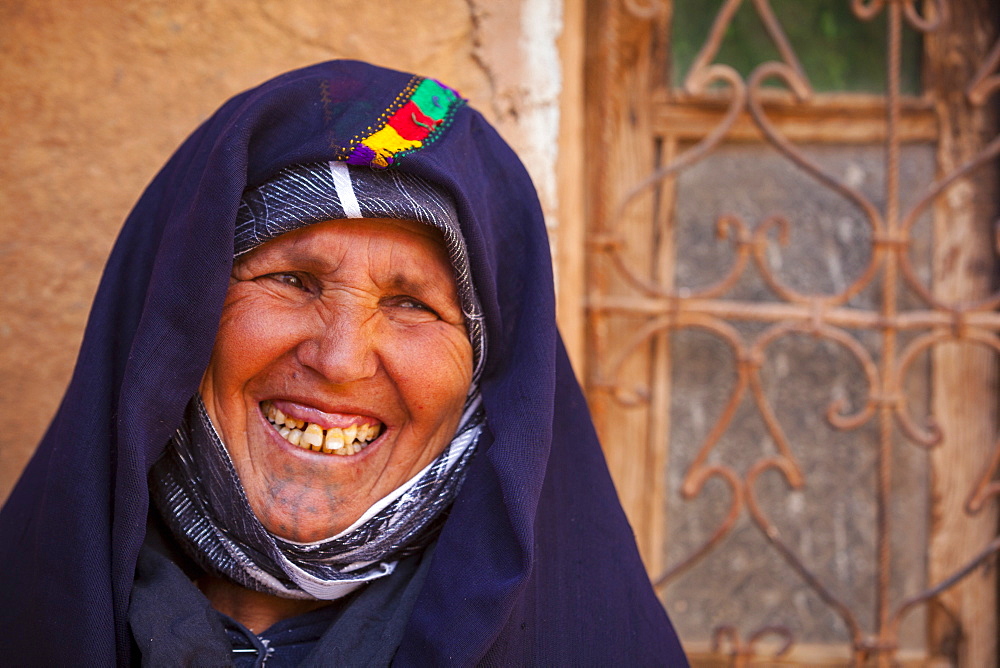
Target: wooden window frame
(629, 110)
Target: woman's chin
(295, 523)
(299, 534)
(295, 530)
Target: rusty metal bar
(889, 297)
(816, 312)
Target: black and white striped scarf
(198, 492)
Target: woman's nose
(341, 346)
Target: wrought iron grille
(894, 322)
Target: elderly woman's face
(340, 369)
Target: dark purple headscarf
(536, 564)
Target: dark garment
(286, 644)
(536, 563)
(173, 624)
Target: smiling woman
(322, 414)
(317, 327)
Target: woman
(353, 251)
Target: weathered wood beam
(964, 403)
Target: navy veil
(536, 564)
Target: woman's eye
(292, 280)
(411, 304)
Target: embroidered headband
(417, 117)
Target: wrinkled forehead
(305, 194)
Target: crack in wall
(514, 46)
(477, 15)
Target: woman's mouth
(311, 436)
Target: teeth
(334, 440)
(311, 436)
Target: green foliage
(838, 51)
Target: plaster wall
(96, 95)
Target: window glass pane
(838, 51)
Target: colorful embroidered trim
(417, 117)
